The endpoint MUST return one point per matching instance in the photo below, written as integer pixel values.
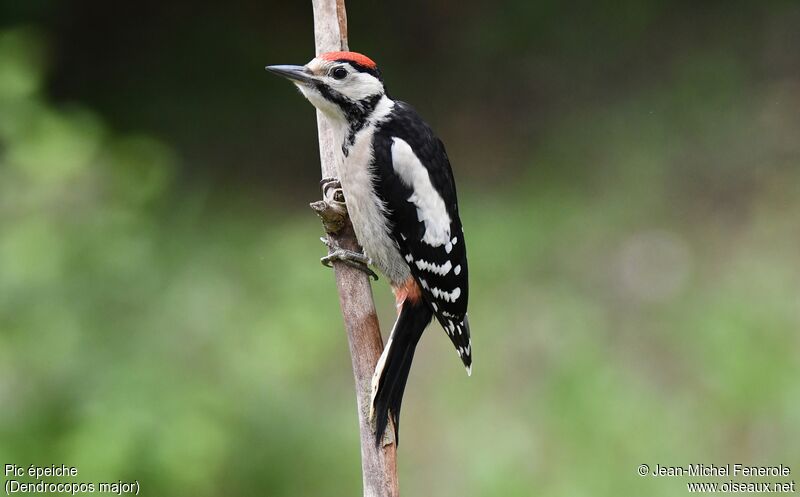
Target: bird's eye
(339, 73)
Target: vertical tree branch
(378, 464)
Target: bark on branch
(378, 464)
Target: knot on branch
(332, 208)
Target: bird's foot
(332, 209)
(350, 258)
(333, 212)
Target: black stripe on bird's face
(356, 112)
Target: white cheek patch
(357, 86)
(430, 206)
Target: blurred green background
(629, 180)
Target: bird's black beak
(299, 74)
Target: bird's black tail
(394, 365)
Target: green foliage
(637, 313)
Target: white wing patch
(430, 206)
(433, 268)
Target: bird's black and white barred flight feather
(414, 182)
(430, 237)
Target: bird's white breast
(367, 211)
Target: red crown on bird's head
(353, 57)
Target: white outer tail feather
(376, 376)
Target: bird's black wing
(438, 261)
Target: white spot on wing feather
(442, 270)
(443, 295)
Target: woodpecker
(401, 198)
